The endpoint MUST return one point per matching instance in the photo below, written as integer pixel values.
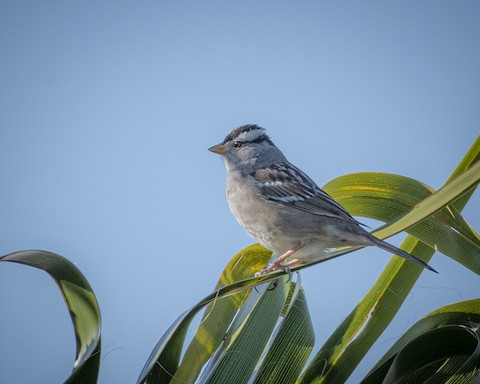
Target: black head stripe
(250, 133)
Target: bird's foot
(279, 265)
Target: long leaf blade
(247, 343)
(219, 314)
(353, 338)
(175, 333)
(291, 347)
(81, 303)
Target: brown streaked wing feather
(288, 185)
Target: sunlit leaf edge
(81, 303)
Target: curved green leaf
(465, 314)
(163, 361)
(219, 314)
(81, 303)
(246, 342)
(386, 197)
(216, 320)
(451, 191)
(406, 204)
(423, 357)
(347, 346)
(291, 346)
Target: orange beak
(219, 148)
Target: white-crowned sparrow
(282, 208)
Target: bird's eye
(238, 144)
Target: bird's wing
(288, 185)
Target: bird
(282, 208)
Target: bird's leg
(278, 262)
(290, 263)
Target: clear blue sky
(107, 111)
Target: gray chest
(259, 217)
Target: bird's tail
(397, 251)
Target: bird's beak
(219, 148)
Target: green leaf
(406, 204)
(424, 356)
(465, 314)
(386, 197)
(163, 361)
(247, 340)
(347, 346)
(451, 191)
(81, 303)
(291, 346)
(255, 321)
(216, 320)
(219, 314)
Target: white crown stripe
(251, 135)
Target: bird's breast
(260, 218)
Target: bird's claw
(275, 267)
